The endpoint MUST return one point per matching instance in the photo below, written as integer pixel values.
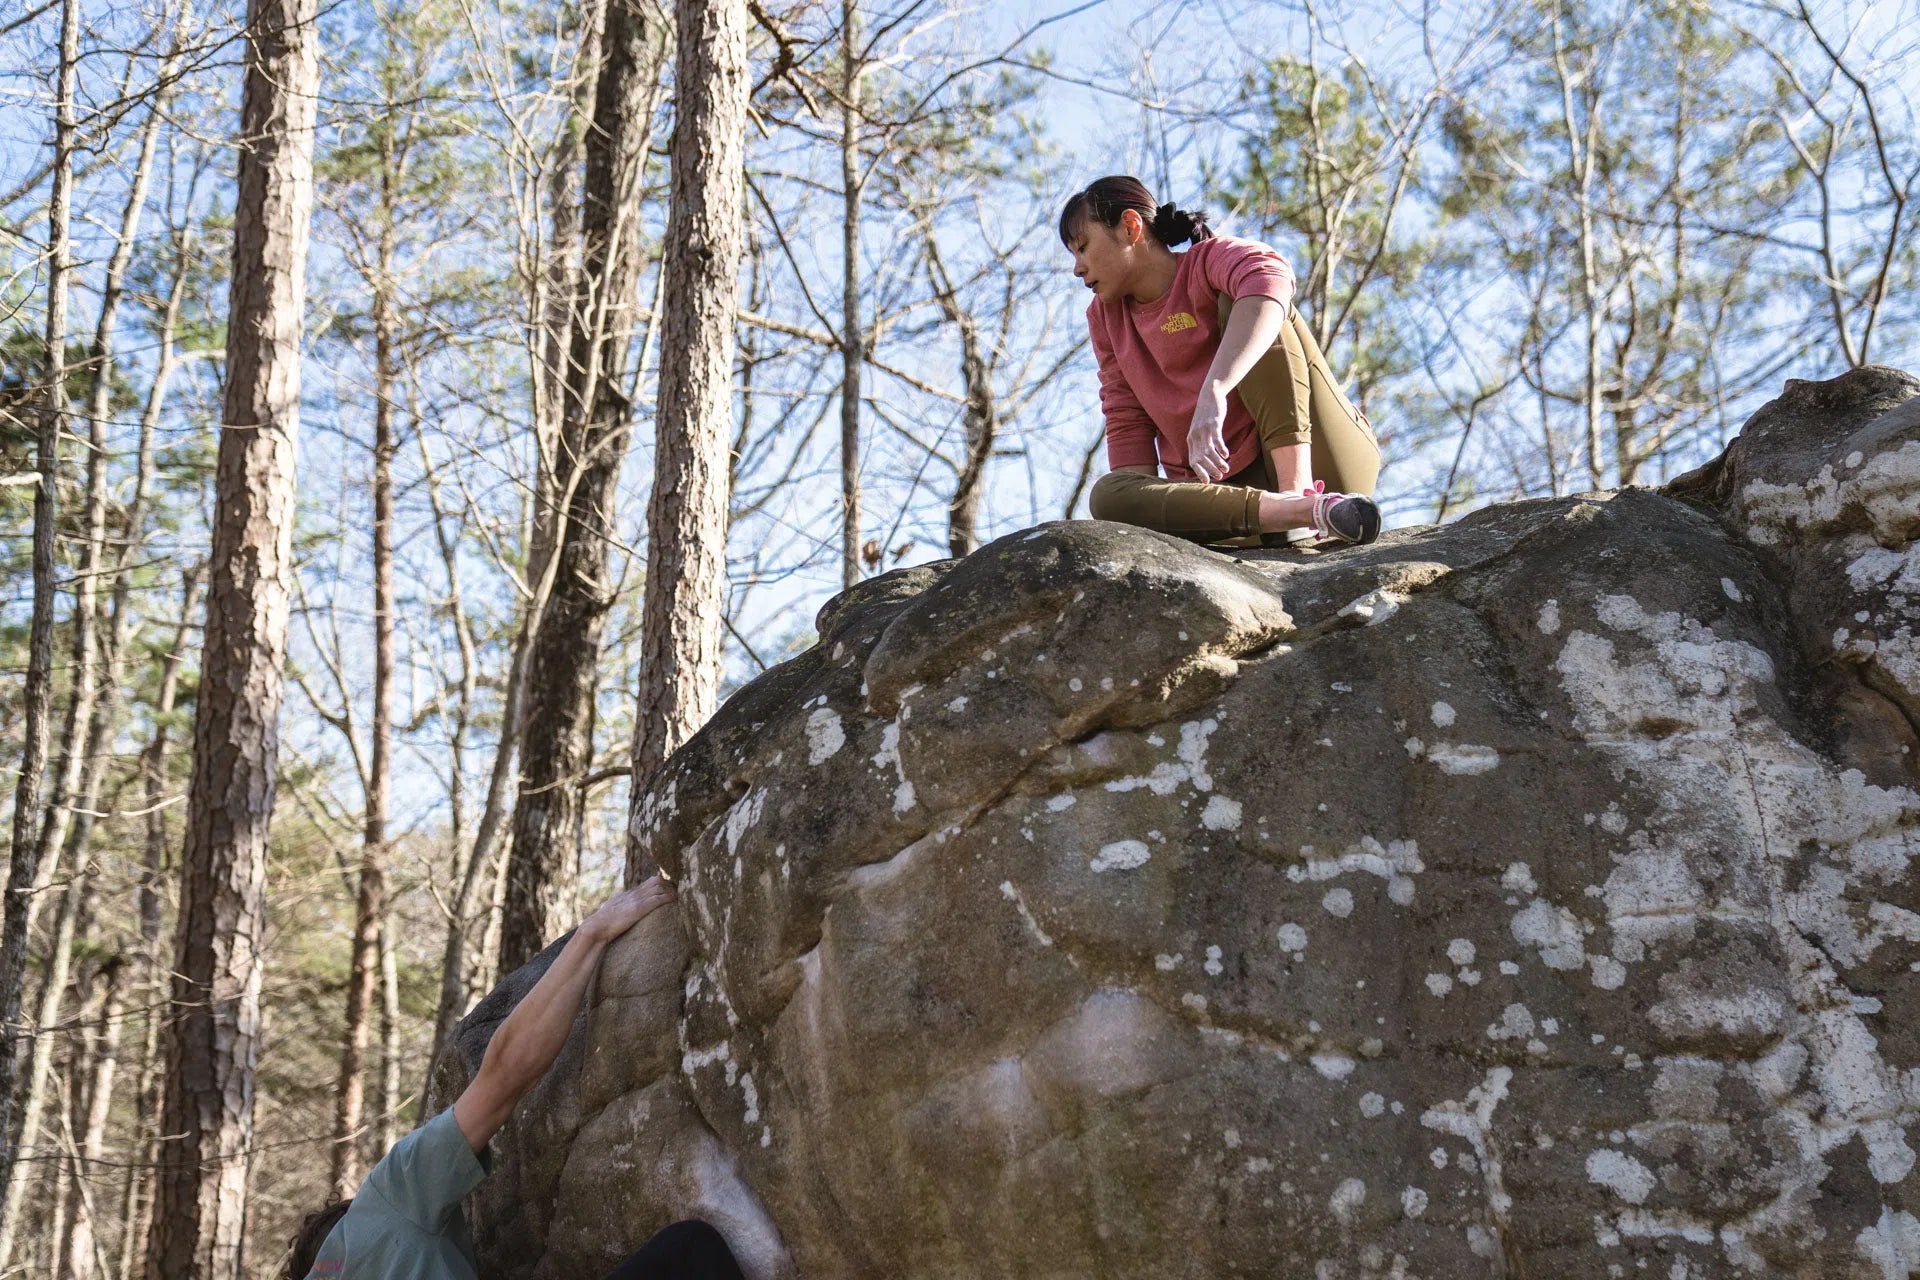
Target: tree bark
(93, 707)
(687, 514)
(136, 1197)
(77, 780)
(370, 906)
(105, 1060)
(207, 1120)
(386, 1119)
(33, 1104)
(981, 413)
(853, 352)
(453, 960)
(24, 870)
(558, 673)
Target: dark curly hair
(1107, 198)
(304, 1248)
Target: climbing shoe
(1349, 517)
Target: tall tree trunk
(136, 1199)
(386, 1120)
(93, 710)
(77, 780)
(81, 1242)
(371, 905)
(207, 1121)
(853, 352)
(24, 870)
(45, 1250)
(93, 706)
(453, 960)
(33, 1104)
(559, 667)
(687, 513)
(981, 412)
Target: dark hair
(305, 1246)
(1109, 197)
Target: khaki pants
(1293, 399)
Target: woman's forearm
(1252, 328)
(525, 1045)
(531, 1037)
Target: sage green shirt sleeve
(428, 1173)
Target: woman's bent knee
(1108, 501)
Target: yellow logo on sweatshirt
(1177, 321)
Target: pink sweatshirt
(1154, 356)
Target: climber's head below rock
(1532, 893)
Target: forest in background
(1549, 248)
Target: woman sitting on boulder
(1208, 374)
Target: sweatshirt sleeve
(1245, 269)
(428, 1173)
(1130, 434)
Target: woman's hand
(628, 907)
(1207, 437)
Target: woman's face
(1103, 256)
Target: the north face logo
(1177, 321)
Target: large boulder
(1525, 896)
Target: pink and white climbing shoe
(1349, 517)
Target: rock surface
(1528, 896)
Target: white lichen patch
(1396, 862)
(1011, 893)
(1516, 1023)
(1651, 895)
(1121, 855)
(1333, 1064)
(1442, 715)
(1694, 681)
(1212, 964)
(1685, 711)
(1338, 902)
(1221, 814)
(1291, 937)
(1549, 618)
(1461, 951)
(1886, 569)
(1439, 984)
(1882, 488)
(1554, 931)
(1471, 1120)
(1892, 1244)
(1346, 1200)
(825, 735)
(743, 817)
(1621, 1174)
(1463, 759)
(1608, 974)
(1189, 765)
(889, 754)
(1413, 1202)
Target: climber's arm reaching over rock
(530, 1039)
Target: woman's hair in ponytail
(1105, 200)
(1173, 226)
